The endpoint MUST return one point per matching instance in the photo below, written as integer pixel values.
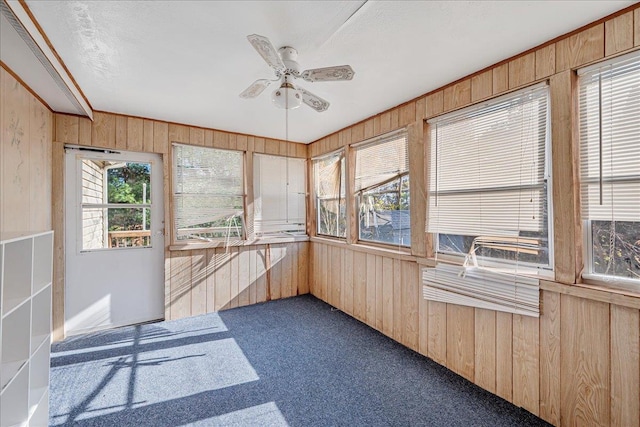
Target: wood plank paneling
(437, 345)
(398, 316)
(585, 363)
(618, 35)
(336, 275)
(504, 355)
(580, 49)
(522, 70)
(121, 132)
(222, 279)
(370, 284)
(180, 284)
(387, 296)
(135, 134)
(66, 127)
(84, 131)
(359, 285)
(198, 282)
(435, 104)
(423, 319)
(103, 131)
(550, 357)
(303, 268)
(147, 136)
(347, 294)
(458, 95)
(625, 366)
(485, 349)
(526, 363)
(417, 190)
(500, 78)
(482, 86)
(636, 27)
(421, 108)
(210, 261)
(565, 187)
(244, 274)
(545, 61)
(410, 297)
(379, 293)
(161, 137)
(460, 340)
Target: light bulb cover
(287, 96)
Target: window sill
(370, 249)
(596, 292)
(267, 240)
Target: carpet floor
(291, 362)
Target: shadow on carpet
(291, 362)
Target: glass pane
(332, 219)
(530, 248)
(221, 228)
(115, 228)
(616, 248)
(128, 182)
(384, 214)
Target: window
(331, 206)
(489, 180)
(208, 193)
(382, 189)
(610, 168)
(116, 204)
(279, 194)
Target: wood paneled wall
(25, 158)
(579, 363)
(197, 281)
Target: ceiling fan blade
(314, 101)
(328, 74)
(255, 89)
(267, 51)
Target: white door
(114, 239)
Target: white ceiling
(187, 61)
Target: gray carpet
(292, 362)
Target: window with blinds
(489, 179)
(279, 194)
(331, 208)
(382, 189)
(208, 193)
(609, 105)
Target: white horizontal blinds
(208, 185)
(487, 170)
(279, 194)
(481, 288)
(381, 160)
(610, 140)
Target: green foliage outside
(126, 186)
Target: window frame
(388, 137)
(341, 199)
(271, 234)
(243, 218)
(588, 275)
(546, 271)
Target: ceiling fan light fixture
(287, 96)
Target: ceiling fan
(283, 61)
